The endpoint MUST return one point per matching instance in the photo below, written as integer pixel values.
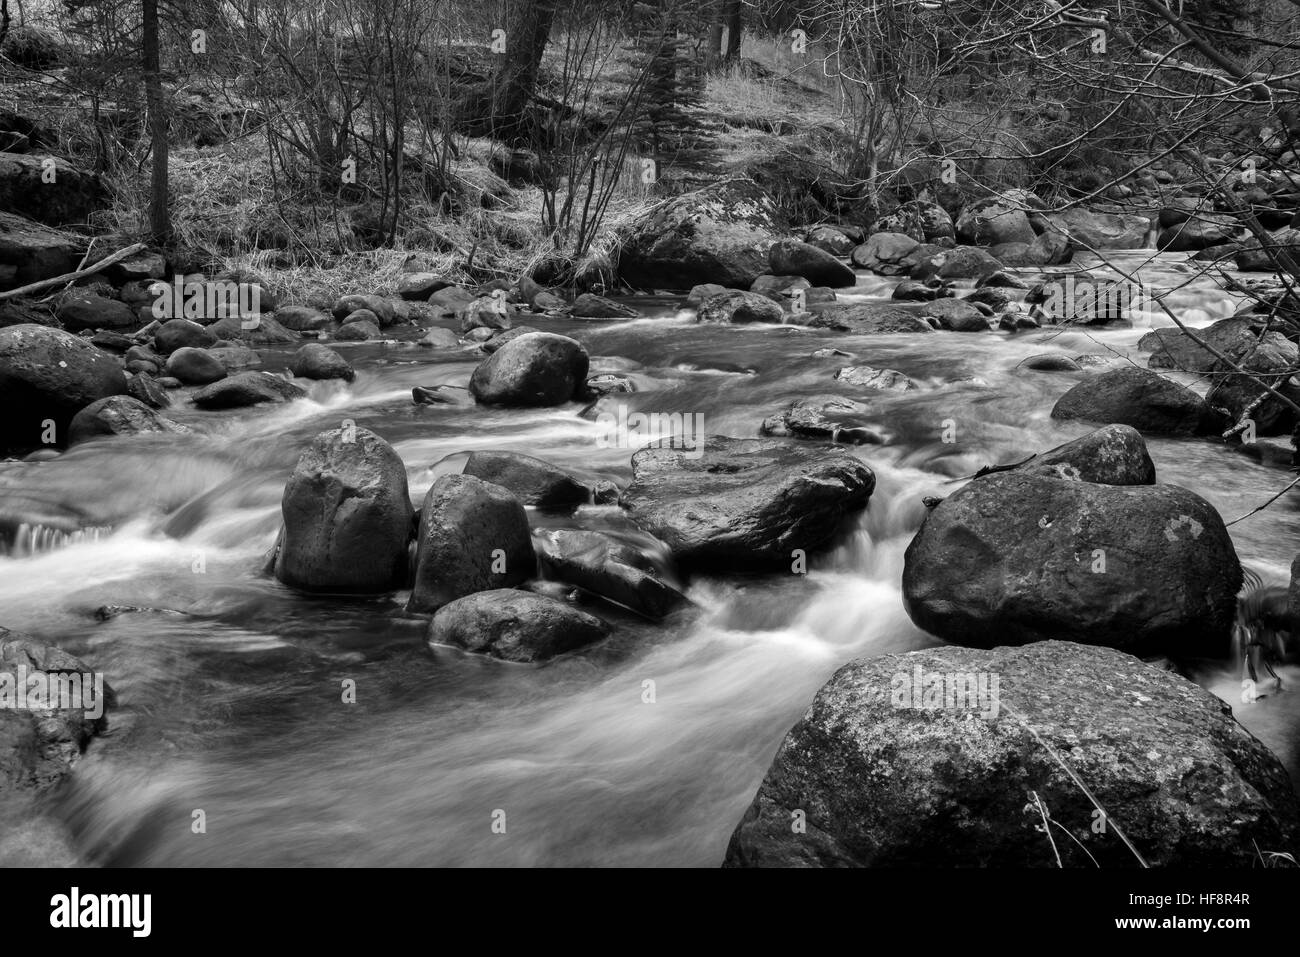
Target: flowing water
(231, 687)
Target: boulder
(439, 339)
(885, 254)
(139, 270)
(118, 415)
(955, 315)
(829, 239)
(363, 331)
(253, 329)
(833, 418)
(79, 310)
(704, 291)
(195, 366)
(538, 369)
(301, 318)
(514, 625)
(591, 306)
(610, 569)
(1111, 455)
(49, 189)
(245, 389)
(737, 306)
(789, 257)
(1050, 362)
(1138, 397)
(1098, 229)
(737, 502)
(49, 374)
(880, 380)
(952, 757)
(1201, 232)
(968, 262)
(347, 516)
(1239, 338)
(995, 219)
(1253, 257)
(780, 289)
(419, 286)
(868, 318)
(1016, 557)
(148, 390)
(38, 745)
(534, 481)
(344, 306)
(473, 537)
(315, 361)
(30, 252)
(718, 234)
(182, 333)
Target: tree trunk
(731, 18)
(527, 31)
(713, 46)
(159, 214)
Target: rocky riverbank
(1059, 576)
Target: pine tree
(664, 123)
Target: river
(231, 688)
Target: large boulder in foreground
(743, 502)
(38, 745)
(876, 775)
(514, 625)
(1019, 557)
(347, 516)
(537, 369)
(1138, 397)
(719, 234)
(49, 374)
(473, 537)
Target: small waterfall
(37, 539)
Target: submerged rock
(244, 389)
(606, 567)
(514, 625)
(118, 415)
(39, 745)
